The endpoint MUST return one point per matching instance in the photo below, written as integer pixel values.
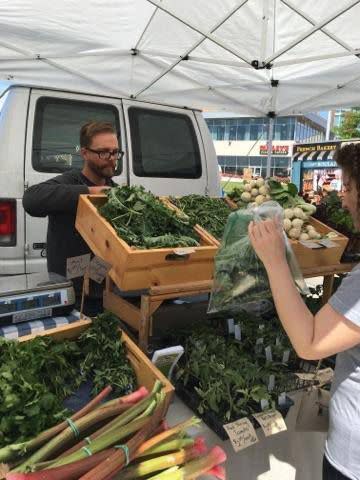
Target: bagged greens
(240, 280)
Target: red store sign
(276, 149)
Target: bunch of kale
(143, 221)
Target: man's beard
(106, 171)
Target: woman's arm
(313, 337)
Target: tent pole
(269, 146)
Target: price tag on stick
(241, 433)
(77, 266)
(98, 269)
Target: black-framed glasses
(106, 154)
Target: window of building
(254, 132)
(56, 143)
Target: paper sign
(271, 384)
(237, 332)
(241, 433)
(77, 266)
(305, 376)
(268, 354)
(98, 269)
(184, 251)
(324, 376)
(286, 356)
(328, 243)
(271, 422)
(231, 325)
(282, 399)
(310, 244)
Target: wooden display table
(328, 273)
(140, 319)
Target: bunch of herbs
(37, 376)
(104, 356)
(209, 213)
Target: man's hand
(97, 190)
(267, 239)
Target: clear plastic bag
(241, 281)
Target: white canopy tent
(256, 57)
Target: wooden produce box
(320, 257)
(146, 372)
(136, 269)
(232, 205)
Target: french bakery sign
(276, 149)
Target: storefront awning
(314, 155)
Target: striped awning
(314, 155)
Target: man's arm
(52, 197)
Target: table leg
(145, 314)
(328, 287)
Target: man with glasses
(58, 198)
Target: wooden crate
(135, 269)
(320, 257)
(146, 372)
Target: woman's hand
(267, 239)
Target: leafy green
(37, 376)
(143, 221)
(331, 210)
(285, 193)
(230, 378)
(240, 277)
(105, 359)
(209, 213)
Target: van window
(56, 144)
(164, 144)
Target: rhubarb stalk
(69, 472)
(12, 451)
(105, 441)
(92, 418)
(126, 417)
(160, 463)
(115, 462)
(194, 469)
(180, 427)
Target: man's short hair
(91, 129)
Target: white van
(168, 150)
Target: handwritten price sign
(98, 269)
(77, 266)
(241, 433)
(271, 422)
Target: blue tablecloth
(28, 328)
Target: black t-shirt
(57, 199)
